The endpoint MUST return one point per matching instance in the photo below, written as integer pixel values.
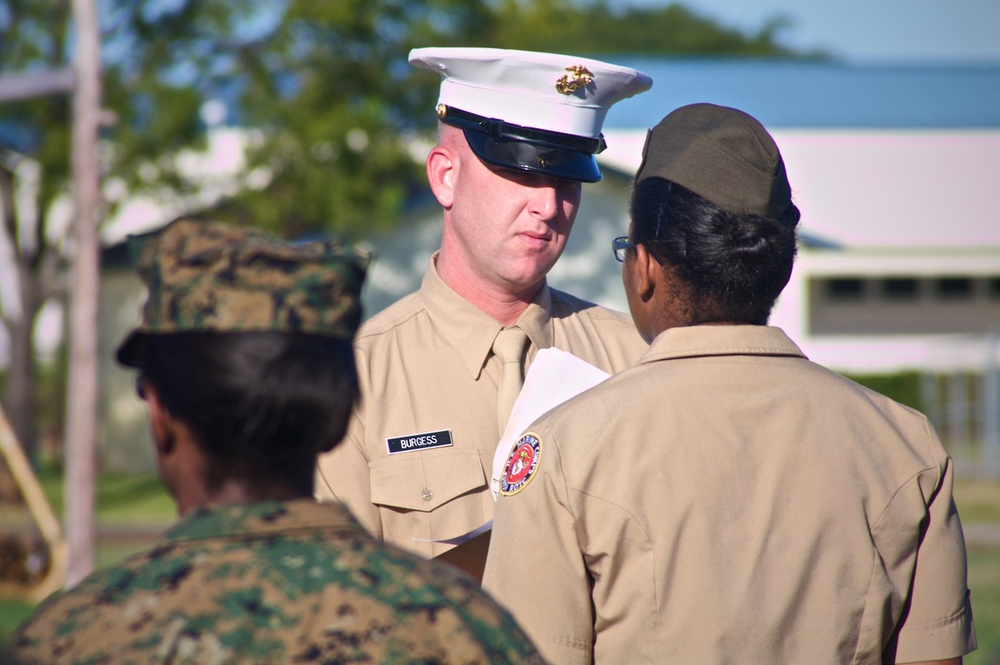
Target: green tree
(34, 170)
(594, 27)
(323, 84)
(333, 104)
(330, 96)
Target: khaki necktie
(509, 347)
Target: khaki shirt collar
(723, 340)
(471, 331)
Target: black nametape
(411, 442)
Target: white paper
(458, 540)
(554, 377)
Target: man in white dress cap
(440, 368)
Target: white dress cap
(548, 91)
(561, 100)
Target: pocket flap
(424, 481)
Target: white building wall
(902, 203)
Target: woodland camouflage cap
(210, 277)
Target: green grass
(984, 582)
(12, 612)
(978, 501)
(122, 499)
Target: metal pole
(991, 408)
(957, 410)
(931, 399)
(42, 513)
(81, 417)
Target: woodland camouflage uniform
(273, 581)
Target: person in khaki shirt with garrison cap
(727, 500)
(517, 136)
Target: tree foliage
(34, 172)
(333, 100)
(324, 84)
(596, 28)
(326, 88)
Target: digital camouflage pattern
(210, 277)
(273, 582)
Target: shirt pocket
(425, 482)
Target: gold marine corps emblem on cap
(578, 77)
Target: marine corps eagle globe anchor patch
(521, 464)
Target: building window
(993, 287)
(845, 289)
(953, 288)
(900, 288)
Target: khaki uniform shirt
(428, 378)
(726, 500)
(272, 582)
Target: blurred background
(303, 117)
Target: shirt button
(427, 495)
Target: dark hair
(262, 405)
(733, 265)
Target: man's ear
(442, 168)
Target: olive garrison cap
(723, 155)
(530, 111)
(210, 277)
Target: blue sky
(882, 30)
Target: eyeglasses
(620, 245)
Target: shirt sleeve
(343, 475)
(937, 621)
(535, 567)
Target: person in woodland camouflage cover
(245, 364)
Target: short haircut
(734, 265)
(262, 405)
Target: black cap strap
(499, 129)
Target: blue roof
(818, 94)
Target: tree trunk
(19, 320)
(18, 396)
(18, 401)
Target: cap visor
(562, 163)
(128, 351)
